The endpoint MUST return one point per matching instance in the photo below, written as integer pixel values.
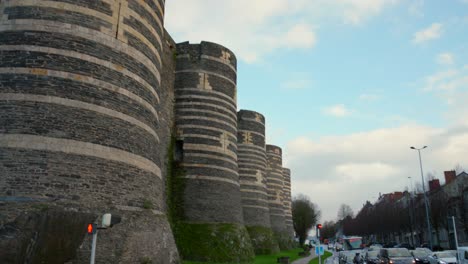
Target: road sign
(319, 250)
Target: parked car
(462, 255)
(404, 245)
(443, 257)
(371, 257)
(346, 257)
(375, 247)
(389, 245)
(338, 246)
(421, 255)
(395, 256)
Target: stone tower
(252, 174)
(206, 122)
(275, 185)
(287, 201)
(84, 125)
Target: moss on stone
(285, 241)
(263, 240)
(175, 185)
(214, 242)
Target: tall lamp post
(425, 196)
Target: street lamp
(425, 196)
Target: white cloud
(449, 80)
(354, 168)
(366, 171)
(434, 31)
(338, 110)
(254, 29)
(368, 97)
(445, 58)
(416, 8)
(358, 11)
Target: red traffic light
(91, 229)
(319, 226)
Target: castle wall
(275, 188)
(252, 168)
(287, 201)
(206, 121)
(83, 119)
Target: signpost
(107, 221)
(319, 249)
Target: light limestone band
(210, 73)
(210, 178)
(210, 148)
(233, 115)
(198, 110)
(193, 165)
(112, 20)
(206, 97)
(198, 118)
(77, 31)
(32, 142)
(84, 57)
(210, 157)
(256, 207)
(77, 104)
(252, 191)
(83, 79)
(211, 92)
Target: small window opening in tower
(179, 151)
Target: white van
(462, 255)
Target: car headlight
(442, 262)
(417, 259)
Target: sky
(346, 86)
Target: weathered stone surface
(86, 117)
(205, 92)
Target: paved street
(305, 260)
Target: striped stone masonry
(82, 79)
(287, 201)
(275, 188)
(80, 105)
(252, 168)
(206, 121)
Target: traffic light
(319, 226)
(92, 228)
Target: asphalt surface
(306, 259)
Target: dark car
(371, 257)
(421, 255)
(389, 245)
(404, 245)
(396, 256)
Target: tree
(328, 229)
(305, 215)
(344, 211)
(458, 169)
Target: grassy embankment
(326, 255)
(267, 259)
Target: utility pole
(455, 232)
(426, 202)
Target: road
(330, 260)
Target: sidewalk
(306, 259)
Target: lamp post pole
(425, 196)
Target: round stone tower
(80, 121)
(252, 174)
(206, 122)
(287, 201)
(275, 187)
